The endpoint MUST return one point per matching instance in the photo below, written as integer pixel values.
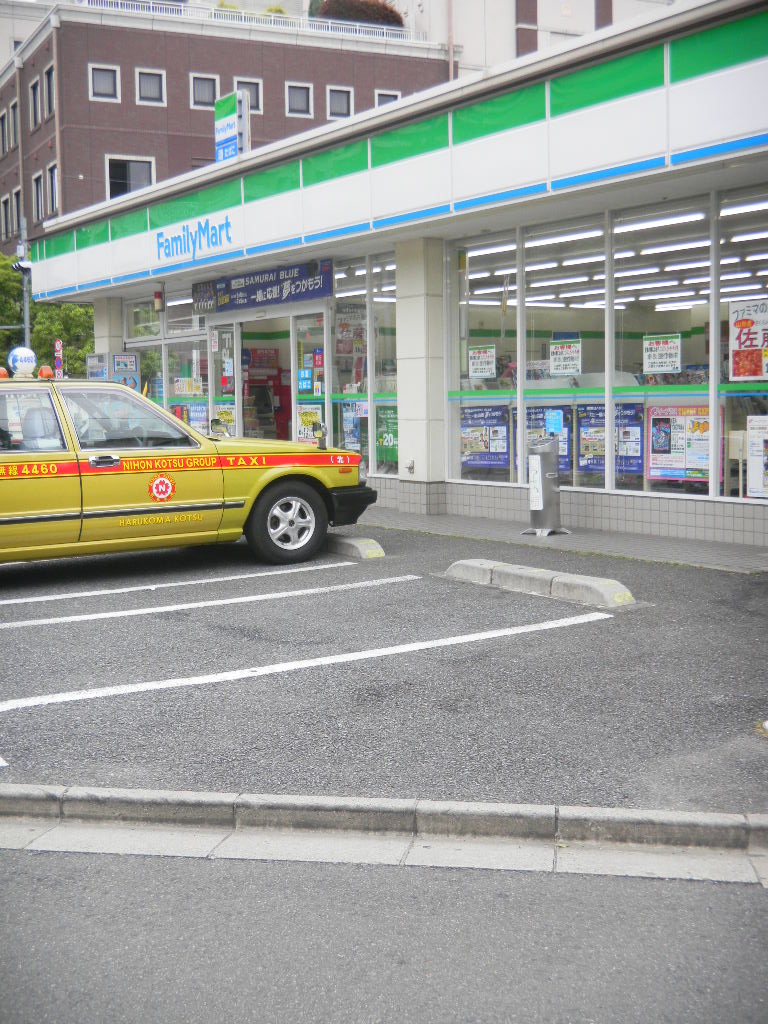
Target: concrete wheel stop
(354, 547)
(526, 579)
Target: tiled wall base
(727, 521)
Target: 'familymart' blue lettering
(193, 240)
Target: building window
(3, 133)
(14, 114)
(34, 104)
(340, 102)
(150, 87)
(53, 189)
(298, 100)
(38, 210)
(49, 91)
(5, 217)
(16, 211)
(383, 97)
(253, 86)
(104, 83)
(203, 91)
(124, 174)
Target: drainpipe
(450, 41)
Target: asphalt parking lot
(206, 670)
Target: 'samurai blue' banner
(296, 283)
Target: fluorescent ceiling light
(388, 287)
(583, 291)
(575, 279)
(540, 298)
(730, 259)
(756, 256)
(478, 274)
(703, 243)
(350, 291)
(383, 298)
(681, 305)
(696, 280)
(495, 290)
(624, 254)
(667, 295)
(505, 272)
(491, 250)
(688, 265)
(340, 274)
(361, 272)
(732, 211)
(595, 304)
(391, 266)
(762, 273)
(638, 272)
(179, 302)
(659, 222)
(749, 236)
(575, 236)
(741, 287)
(547, 265)
(574, 261)
(484, 302)
(734, 275)
(747, 298)
(638, 285)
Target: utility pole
(24, 267)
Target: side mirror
(320, 432)
(219, 428)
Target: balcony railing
(222, 15)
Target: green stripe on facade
(197, 204)
(609, 81)
(721, 47)
(266, 335)
(35, 252)
(271, 182)
(412, 140)
(335, 163)
(226, 106)
(60, 245)
(129, 224)
(524, 106)
(92, 234)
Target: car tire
(288, 524)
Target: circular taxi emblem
(161, 488)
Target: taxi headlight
(362, 472)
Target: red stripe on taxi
(37, 470)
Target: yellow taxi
(90, 467)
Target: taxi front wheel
(288, 523)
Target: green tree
(10, 307)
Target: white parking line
(296, 666)
(248, 599)
(75, 594)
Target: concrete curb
(415, 817)
(525, 579)
(355, 547)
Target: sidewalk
(738, 558)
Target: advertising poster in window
(351, 415)
(662, 353)
(350, 327)
(125, 369)
(757, 456)
(565, 354)
(678, 443)
(748, 340)
(485, 437)
(482, 362)
(386, 434)
(307, 416)
(590, 420)
(538, 418)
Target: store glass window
(141, 319)
(188, 382)
(384, 424)
(350, 356)
(180, 317)
(743, 388)
(662, 279)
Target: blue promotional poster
(485, 436)
(542, 420)
(591, 438)
(273, 287)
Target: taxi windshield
(110, 419)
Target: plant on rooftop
(376, 11)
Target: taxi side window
(28, 422)
(108, 419)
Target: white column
(420, 360)
(108, 325)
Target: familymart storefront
(575, 246)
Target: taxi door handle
(104, 461)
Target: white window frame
(48, 112)
(53, 200)
(150, 103)
(300, 85)
(202, 74)
(118, 90)
(5, 134)
(122, 156)
(251, 81)
(387, 92)
(38, 208)
(339, 88)
(13, 124)
(35, 109)
(6, 229)
(16, 220)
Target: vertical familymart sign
(231, 125)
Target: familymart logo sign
(199, 238)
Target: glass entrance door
(312, 374)
(223, 380)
